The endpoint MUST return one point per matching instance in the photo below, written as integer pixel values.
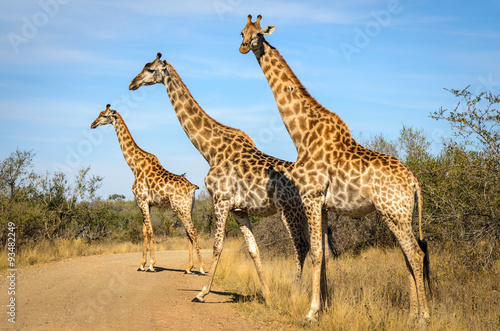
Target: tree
(470, 184)
(15, 171)
(116, 197)
(379, 144)
(476, 121)
(414, 145)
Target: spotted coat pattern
(334, 172)
(154, 187)
(242, 180)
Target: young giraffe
(334, 172)
(154, 187)
(240, 179)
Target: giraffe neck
(205, 133)
(298, 109)
(131, 152)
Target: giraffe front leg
(221, 211)
(146, 232)
(152, 259)
(313, 211)
(144, 247)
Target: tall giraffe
(241, 179)
(154, 187)
(334, 172)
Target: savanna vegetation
(367, 274)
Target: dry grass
(367, 292)
(47, 251)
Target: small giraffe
(334, 172)
(154, 187)
(241, 178)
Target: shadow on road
(161, 269)
(231, 297)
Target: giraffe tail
(421, 242)
(332, 244)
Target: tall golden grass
(367, 292)
(58, 249)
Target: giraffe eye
(151, 71)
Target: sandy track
(106, 292)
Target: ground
(106, 292)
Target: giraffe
(335, 173)
(154, 187)
(241, 179)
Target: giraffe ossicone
(333, 172)
(154, 187)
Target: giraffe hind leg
(246, 229)
(192, 236)
(190, 261)
(296, 225)
(414, 258)
(198, 251)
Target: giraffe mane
(224, 127)
(128, 131)
(316, 105)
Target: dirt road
(106, 292)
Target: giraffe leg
(313, 210)
(246, 229)
(194, 235)
(221, 209)
(413, 292)
(152, 259)
(414, 258)
(184, 212)
(144, 247)
(324, 231)
(145, 232)
(190, 263)
(295, 222)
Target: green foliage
(379, 144)
(15, 173)
(477, 122)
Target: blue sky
(378, 64)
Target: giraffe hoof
(150, 270)
(202, 272)
(196, 299)
(311, 317)
(188, 272)
(141, 269)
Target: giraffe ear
(268, 30)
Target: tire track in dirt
(106, 292)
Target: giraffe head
(253, 35)
(153, 73)
(107, 116)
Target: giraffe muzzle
(244, 48)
